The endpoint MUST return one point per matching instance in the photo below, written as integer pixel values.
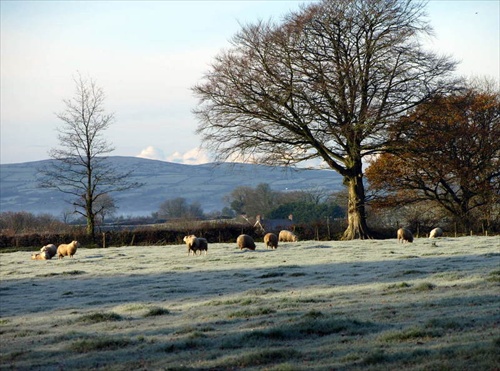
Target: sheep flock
(199, 245)
(47, 252)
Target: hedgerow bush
(141, 236)
(167, 234)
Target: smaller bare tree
(80, 168)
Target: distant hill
(206, 184)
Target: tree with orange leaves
(448, 152)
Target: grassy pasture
(311, 305)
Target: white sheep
(195, 244)
(244, 241)
(40, 256)
(436, 232)
(67, 249)
(404, 235)
(287, 236)
(50, 249)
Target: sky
(147, 56)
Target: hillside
(206, 184)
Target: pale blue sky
(147, 55)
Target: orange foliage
(446, 151)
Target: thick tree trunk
(356, 215)
(465, 218)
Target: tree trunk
(356, 215)
(90, 217)
(90, 226)
(89, 199)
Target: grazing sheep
(40, 256)
(191, 243)
(404, 235)
(67, 249)
(271, 240)
(287, 236)
(195, 244)
(50, 249)
(202, 245)
(436, 232)
(244, 241)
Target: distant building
(272, 225)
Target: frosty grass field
(311, 305)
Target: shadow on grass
(181, 282)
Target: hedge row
(150, 236)
(142, 236)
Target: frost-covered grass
(315, 305)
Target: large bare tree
(81, 168)
(322, 84)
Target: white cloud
(152, 153)
(194, 156)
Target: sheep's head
(189, 239)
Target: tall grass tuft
(446, 324)
(494, 276)
(323, 326)
(156, 311)
(262, 358)
(98, 344)
(411, 333)
(375, 357)
(425, 286)
(251, 312)
(100, 317)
